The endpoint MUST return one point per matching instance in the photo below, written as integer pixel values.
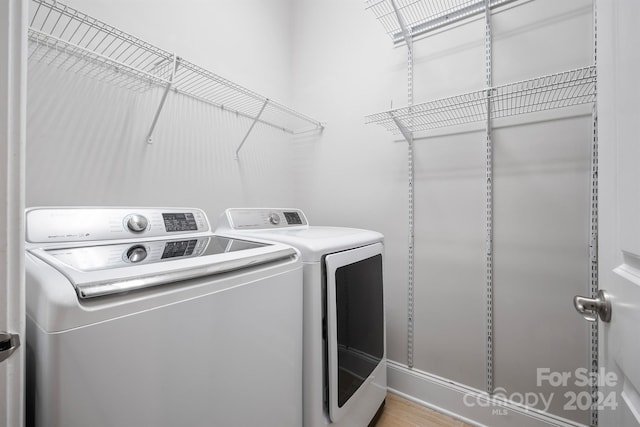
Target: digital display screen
(179, 222)
(179, 248)
(292, 218)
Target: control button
(274, 218)
(136, 253)
(137, 223)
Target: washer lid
(315, 242)
(119, 267)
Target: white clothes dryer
(344, 357)
(143, 317)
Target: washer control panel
(90, 224)
(263, 218)
(101, 257)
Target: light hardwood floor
(400, 412)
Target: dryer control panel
(44, 225)
(262, 218)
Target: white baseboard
(467, 404)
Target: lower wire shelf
(573, 87)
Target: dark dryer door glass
(356, 329)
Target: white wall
(353, 175)
(87, 139)
(345, 68)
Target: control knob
(274, 218)
(136, 253)
(137, 223)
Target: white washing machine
(143, 317)
(344, 358)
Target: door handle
(8, 344)
(591, 308)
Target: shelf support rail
(489, 202)
(255, 120)
(174, 68)
(593, 220)
(408, 135)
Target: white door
(13, 72)
(619, 210)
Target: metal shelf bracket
(174, 68)
(403, 26)
(255, 120)
(406, 133)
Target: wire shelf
(422, 16)
(66, 38)
(71, 40)
(64, 55)
(573, 87)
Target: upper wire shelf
(74, 41)
(573, 87)
(422, 16)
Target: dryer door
(355, 323)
